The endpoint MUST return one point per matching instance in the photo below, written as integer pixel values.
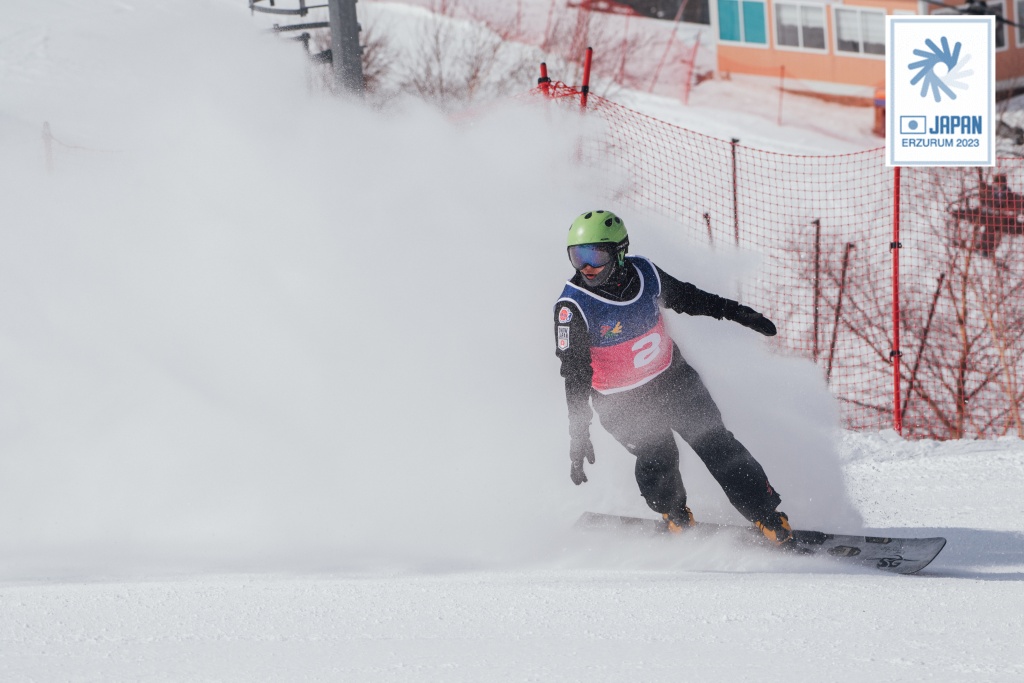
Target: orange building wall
(861, 72)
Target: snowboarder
(615, 351)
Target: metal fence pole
(346, 52)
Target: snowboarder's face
(591, 273)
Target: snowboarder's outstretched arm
(573, 351)
(683, 297)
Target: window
(996, 8)
(1016, 17)
(742, 21)
(800, 25)
(861, 31)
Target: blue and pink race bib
(629, 345)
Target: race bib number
(647, 349)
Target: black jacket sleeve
(573, 349)
(682, 297)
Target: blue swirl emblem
(940, 69)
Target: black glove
(748, 317)
(580, 449)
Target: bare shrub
(622, 60)
(451, 62)
(961, 306)
(962, 312)
(458, 62)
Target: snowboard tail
(896, 555)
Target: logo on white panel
(940, 90)
(941, 70)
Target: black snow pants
(643, 420)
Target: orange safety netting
(825, 225)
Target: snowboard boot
(775, 527)
(677, 521)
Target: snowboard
(896, 555)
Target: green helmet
(594, 227)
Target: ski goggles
(593, 255)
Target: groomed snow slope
(279, 403)
(581, 611)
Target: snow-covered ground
(279, 400)
(579, 612)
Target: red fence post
(585, 90)
(894, 248)
(544, 83)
